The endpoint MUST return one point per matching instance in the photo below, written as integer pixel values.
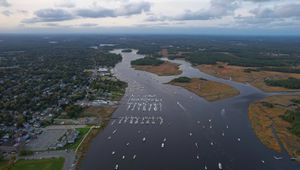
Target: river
(160, 127)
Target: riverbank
(209, 90)
(165, 69)
(105, 114)
(247, 75)
(271, 128)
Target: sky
(257, 17)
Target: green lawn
(82, 133)
(42, 164)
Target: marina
(178, 130)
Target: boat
(134, 156)
(277, 157)
(144, 139)
(191, 134)
(162, 145)
(197, 157)
(220, 165)
(211, 143)
(123, 157)
(239, 139)
(165, 139)
(117, 166)
(205, 167)
(113, 152)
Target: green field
(42, 164)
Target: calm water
(159, 126)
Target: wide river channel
(163, 127)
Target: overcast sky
(151, 16)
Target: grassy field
(266, 117)
(240, 74)
(42, 164)
(165, 69)
(209, 90)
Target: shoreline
(270, 128)
(247, 75)
(165, 69)
(207, 89)
(81, 151)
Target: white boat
(205, 167)
(114, 131)
(144, 139)
(223, 134)
(211, 143)
(262, 161)
(134, 156)
(109, 137)
(165, 139)
(113, 152)
(220, 165)
(277, 158)
(123, 157)
(117, 166)
(239, 139)
(127, 144)
(197, 157)
(196, 144)
(162, 145)
(191, 134)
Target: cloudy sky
(151, 16)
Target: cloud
(283, 11)
(282, 15)
(55, 15)
(216, 10)
(50, 15)
(260, 0)
(66, 4)
(124, 10)
(7, 13)
(4, 3)
(88, 25)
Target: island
(276, 122)
(209, 90)
(156, 66)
